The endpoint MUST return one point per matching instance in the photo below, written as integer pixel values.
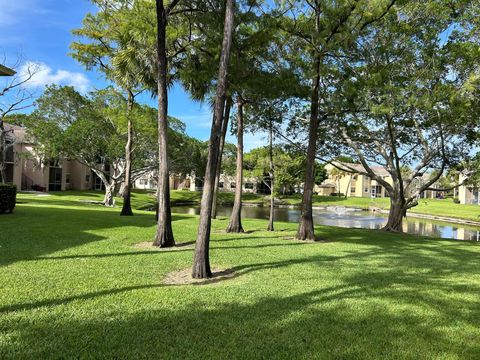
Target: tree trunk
(348, 186)
(3, 153)
(226, 117)
(235, 225)
(108, 199)
(127, 207)
(396, 214)
(305, 229)
(201, 262)
(164, 236)
(272, 178)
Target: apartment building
(353, 184)
(27, 171)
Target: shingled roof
(378, 170)
(5, 71)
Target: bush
(456, 200)
(8, 197)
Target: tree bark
(226, 117)
(235, 225)
(348, 186)
(272, 178)
(108, 199)
(305, 229)
(164, 236)
(127, 206)
(201, 263)
(396, 214)
(3, 153)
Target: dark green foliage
(320, 174)
(8, 197)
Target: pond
(352, 218)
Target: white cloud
(45, 75)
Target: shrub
(8, 197)
(456, 200)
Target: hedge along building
(26, 170)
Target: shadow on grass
(155, 252)
(33, 232)
(397, 297)
(377, 314)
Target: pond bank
(371, 209)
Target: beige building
(193, 183)
(26, 170)
(353, 184)
(468, 194)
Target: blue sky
(39, 31)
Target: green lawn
(72, 286)
(141, 199)
(144, 200)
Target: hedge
(8, 197)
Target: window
(87, 178)
(9, 155)
(248, 185)
(67, 178)
(353, 190)
(232, 186)
(220, 185)
(366, 190)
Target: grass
(141, 199)
(72, 286)
(144, 200)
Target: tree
(235, 224)
(226, 118)
(412, 99)
(67, 125)
(108, 48)
(14, 97)
(337, 173)
(315, 30)
(258, 79)
(164, 236)
(201, 263)
(267, 114)
(91, 129)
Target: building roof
(378, 170)
(5, 71)
(326, 186)
(18, 132)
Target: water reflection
(349, 218)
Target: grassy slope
(71, 285)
